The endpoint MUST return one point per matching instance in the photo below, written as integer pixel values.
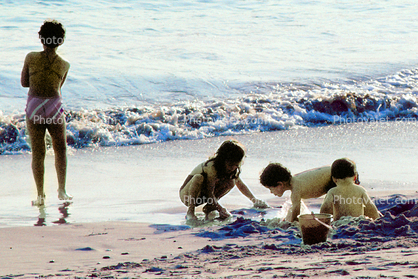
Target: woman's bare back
(44, 73)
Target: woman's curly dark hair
(231, 151)
(52, 33)
(273, 174)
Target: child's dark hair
(273, 174)
(52, 33)
(231, 151)
(343, 168)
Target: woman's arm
(24, 77)
(212, 199)
(63, 79)
(67, 66)
(243, 188)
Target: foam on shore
(267, 107)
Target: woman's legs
(190, 195)
(59, 144)
(37, 138)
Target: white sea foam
(288, 106)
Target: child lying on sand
(347, 199)
(213, 179)
(306, 185)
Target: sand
(75, 248)
(138, 250)
(238, 248)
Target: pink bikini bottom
(44, 110)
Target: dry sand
(73, 248)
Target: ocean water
(152, 71)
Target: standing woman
(44, 73)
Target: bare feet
(40, 200)
(62, 195)
(190, 216)
(224, 214)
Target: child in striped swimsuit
(44, 73)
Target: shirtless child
(305, 185)
(347, 199)
(213, 179)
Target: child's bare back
(305, 185)
(347, 199)
(312, 183)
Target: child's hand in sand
(224, 214)
(62, 195)
(260, 204)
(191, 217)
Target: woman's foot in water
(62, 195)
(40, 200)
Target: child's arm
(370, 209)
(223, 212)
(247, 192)
(327, 204)
(294, 211)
